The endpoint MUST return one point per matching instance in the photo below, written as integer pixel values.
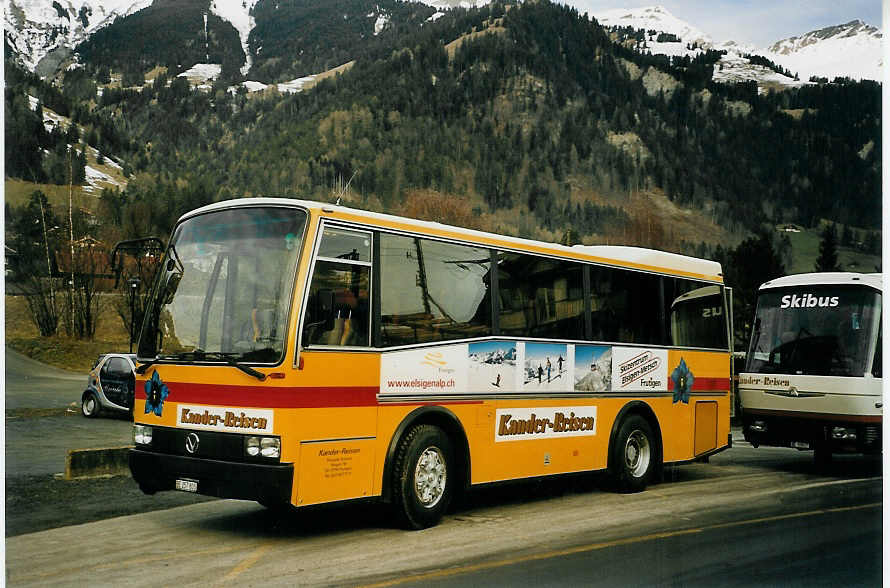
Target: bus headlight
(843, 434)
(252, 446)
(142, 434)
(263, 446)
(270, 447)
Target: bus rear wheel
(634, 455)
(423, 477)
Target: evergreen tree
(847, 236)
(827, 260)
(749, 265)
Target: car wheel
(89, 405)
(634, 455)
(424, 477)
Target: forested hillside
(542, 125)
(170, 34)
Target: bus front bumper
(840, 434)
(265, 483)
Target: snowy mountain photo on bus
(593, 368)
(492, 365)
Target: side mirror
(170, 288)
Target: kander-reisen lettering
(230, 419)
(533, 425)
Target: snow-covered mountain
(43, 32)
(852, 50)
(36, 29)
(660, 20)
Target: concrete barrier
(91, 463)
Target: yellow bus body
(339, 431)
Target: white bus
(813, 374)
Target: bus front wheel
(634, 455)
(423, 477)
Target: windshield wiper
(201, 355)
(230, 360)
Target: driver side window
(338, 311)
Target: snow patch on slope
(239, 15)
(35, 28)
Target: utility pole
(71, 235)
(134, 284)
(49, 268)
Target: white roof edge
(654, 257)
(825, 279)
(617, 253)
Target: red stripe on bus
(269, 397)
(705, 384)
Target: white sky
(756, 22)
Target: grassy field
(61, 351)
(805, 251)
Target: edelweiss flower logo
(683, 380)
(156, 392)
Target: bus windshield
(814, 330)
(224, 289)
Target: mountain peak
(657, 18)
(851, 50)
(851, 29)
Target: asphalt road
(43, 418)
(757, 552)
(676, 533)
(43, 423)
(30, 384)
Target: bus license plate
(187, 485)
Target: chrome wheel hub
(430, 476)
(637, 454)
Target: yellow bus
(299, 353)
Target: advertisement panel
(424, 372)
(639, 369)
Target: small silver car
(110, 385)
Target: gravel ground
(37, 503)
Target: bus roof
(825, 279)
(618, 255)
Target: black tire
(149, 490)
(634, 455)
(89, 405)
(424, 474)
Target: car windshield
(225, 286)
(820, 330)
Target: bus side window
(432, 291)
(540, 297)
(338, 309)
(876, 364)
